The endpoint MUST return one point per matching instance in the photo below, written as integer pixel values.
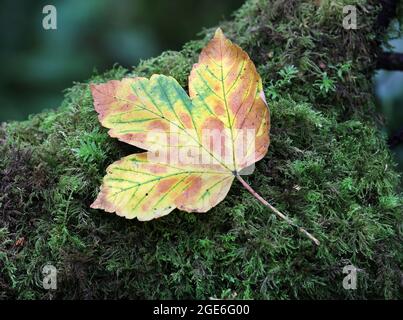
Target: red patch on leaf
(164, 185)
(158, 125)
(104, 96)
(195, 184)
(186, 120)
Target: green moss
(328, 168)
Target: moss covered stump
(328, 168)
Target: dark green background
(389, 89)
(37, 64)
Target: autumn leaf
(196, 144)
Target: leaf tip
(219, 34)
(94, 89)
(96, 204)
(101, 203)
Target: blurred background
(389, 90)
(36, 65)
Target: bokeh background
(389, 89)
(36, 65)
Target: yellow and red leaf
(195, 143)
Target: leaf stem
(281, 215)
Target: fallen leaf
(196, 144)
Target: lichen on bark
(328, 167)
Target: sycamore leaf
(226, 97)
(195, 144)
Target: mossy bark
(328, 168)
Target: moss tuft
(328, 168)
